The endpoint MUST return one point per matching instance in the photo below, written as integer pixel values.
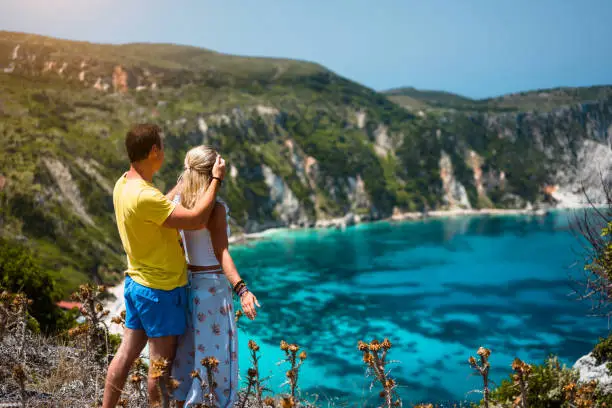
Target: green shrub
(20, 273)
(545, 389)
(603, 350)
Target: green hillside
(302, 143)
(542, 99)
(427, 98)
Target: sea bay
(437, 288)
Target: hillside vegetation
(302, 143)
(541, 100)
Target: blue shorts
(158, 312)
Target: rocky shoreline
(351, 219)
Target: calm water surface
(438, 289)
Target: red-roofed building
(66, 305)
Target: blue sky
(477, 48)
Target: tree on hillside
(21, 273)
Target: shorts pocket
(177, 298)
(144, 293)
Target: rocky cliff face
(455, 195)
(303, 145)
(566, 156)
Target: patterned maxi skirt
(211, 332)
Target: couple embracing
(180, 275)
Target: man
(155, 294)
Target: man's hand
(248, 302)
(219, 168)
(197, 217)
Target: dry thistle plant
(292, 374)
(522, 371)
(209, 385)
(94, 331)
(156, 373)
(239, 314)
(4, 313)
(138, 381)
(582, 396)
(19, 308)
(269, 402)
(375, 358)
(15, 321)
(20, 377)
(165, 384)
(38, 370)
(482, 369)
(120, 320)
(254, 382)
(288, 402)
(211, 364)
(13, 313)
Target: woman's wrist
(240, 287)
(242, 291)
(219, 179)
(237, 285)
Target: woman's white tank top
(197, 243)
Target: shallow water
(438, 289)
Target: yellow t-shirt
(154, 256)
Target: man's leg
(131, 346)
(160, 348)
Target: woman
(211, 330)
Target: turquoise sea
(438, 289)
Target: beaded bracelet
(238, 285)
(242, 291)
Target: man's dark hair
(140, 140)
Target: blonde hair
(197, 175)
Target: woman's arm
(217, 226)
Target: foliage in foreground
(547, 385)
(70, 369)
(544, 385)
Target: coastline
(352, 219)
